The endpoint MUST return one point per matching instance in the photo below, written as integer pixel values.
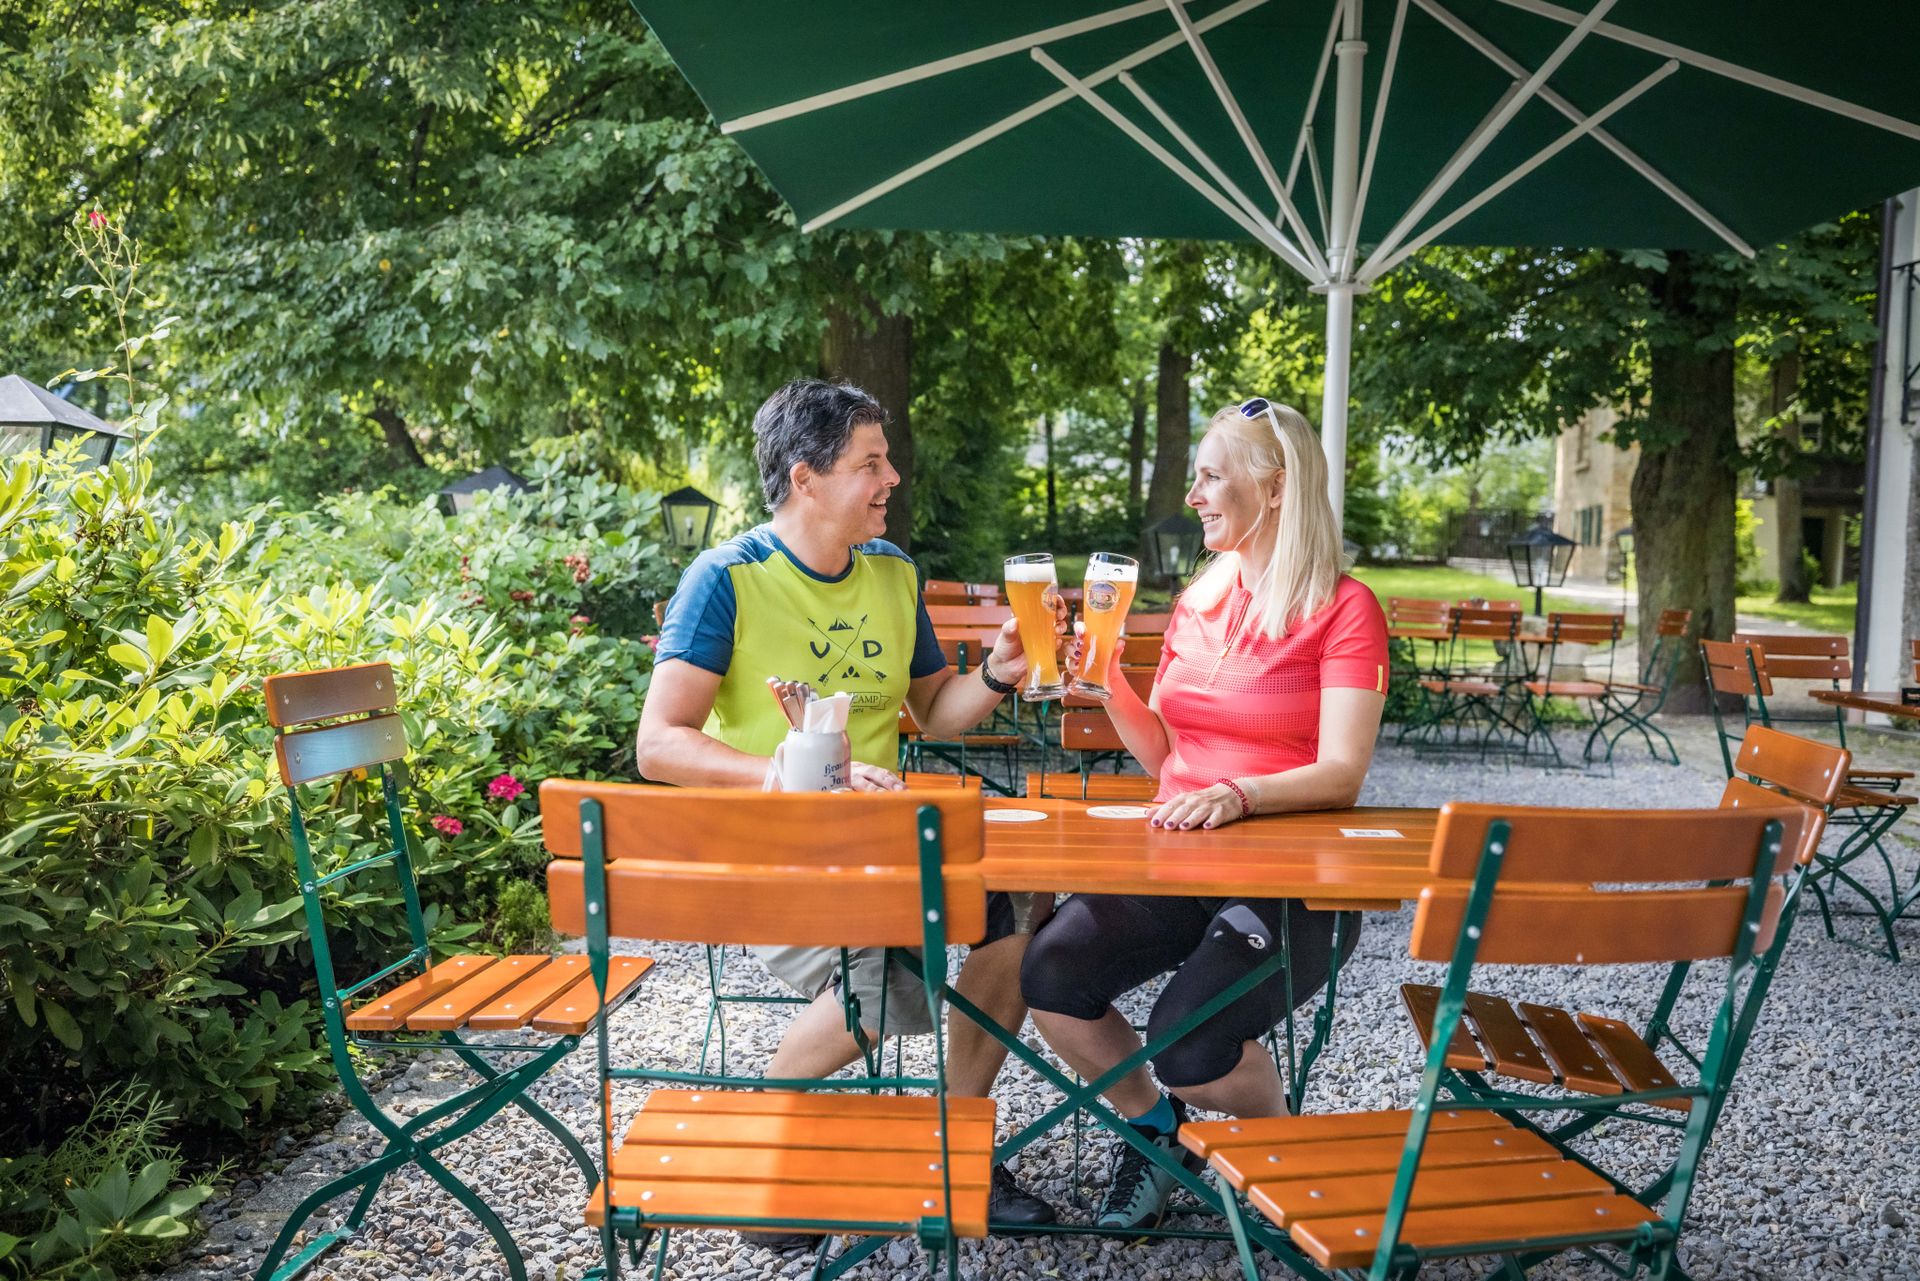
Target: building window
(1591, 521)
(1582, 445)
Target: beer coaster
(1015, 816)
(1372, 833)
(1120, 811)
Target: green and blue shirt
(749, 609)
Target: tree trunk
(1789, 538)
(875, 353)
(400, 441)
(1683, 490)
(1173, 433)
(1136, 446)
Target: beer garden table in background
(1887, 704)
(1353, 859)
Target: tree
(1513, 343)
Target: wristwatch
(997, 686)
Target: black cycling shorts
(1098, 947)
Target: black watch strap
(997, 686)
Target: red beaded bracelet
(1246, 806)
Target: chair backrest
(1916, 660)
(1546, 905)
(1415, 611)
(1584, 629)
(955, 617)
(721, 865)
(365, 692)
(1669, 634)
(1089, 732)
(1474, 623)
(1142, 651)
(1776, 765)
(1673, 622)
(1148, 624)
(1496, 606)
(1787, 656)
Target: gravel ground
(1813, 1170)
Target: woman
(1267, 700)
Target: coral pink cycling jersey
(1240, 702)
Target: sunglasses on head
(1260, 405)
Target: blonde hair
(1304, 569)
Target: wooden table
(1304, 856)
(1887, 704)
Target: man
(816, 594)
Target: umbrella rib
(1231, 105)
(1301, 143)
(1259, 231)
(1351, 244)
(1201, 158)
(1319, 185)
(1631, 158)
(941, 66)
(1731, 70)
(1005, 124)
(1520, 171)
(1483, 137)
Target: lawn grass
(1438, 582)
(1830, 611)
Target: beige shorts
(813, 970)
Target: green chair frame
(1631, 706)
(624, 1230)
(373, 745)
(1650, 1246)
(1857, 810)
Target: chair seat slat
(1436, 1188)
(1349, 1242)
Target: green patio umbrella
(1342, 136)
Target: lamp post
(1176, 541)
(33, 418)
(688, 515)
(458, 496)
(1540, 558)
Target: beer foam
(1107, 571)
(1031, 572)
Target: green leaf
(129, 657)
(61, 1024)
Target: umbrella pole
(1333, 407)
(1351, 53)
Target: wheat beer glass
(1104, 603)
(1030, 582)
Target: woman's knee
(1054, 976)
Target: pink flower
(447, 825)
(96, 219)
(506, 788)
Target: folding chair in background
(1866, 813)
(1471, 686)
(1631, 705)
(1810, 658)
(1586, 631)
(1382, 1193)
(341, 725)
(708, 1150)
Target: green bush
(149, 932)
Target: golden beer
(1108, 594)
(1030, 586)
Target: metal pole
(1351, 55)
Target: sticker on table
(1120, 811)
(1015, 816)
(1372, 833)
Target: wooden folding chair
(972, 618)
(718, 866)
(1810, 658)
(342, 725)
(1584, 630)
(1384, 1192)
(1471, 685)
(1632, 705)
(1602, 1056)
(1740, 669)
(1916, 659)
